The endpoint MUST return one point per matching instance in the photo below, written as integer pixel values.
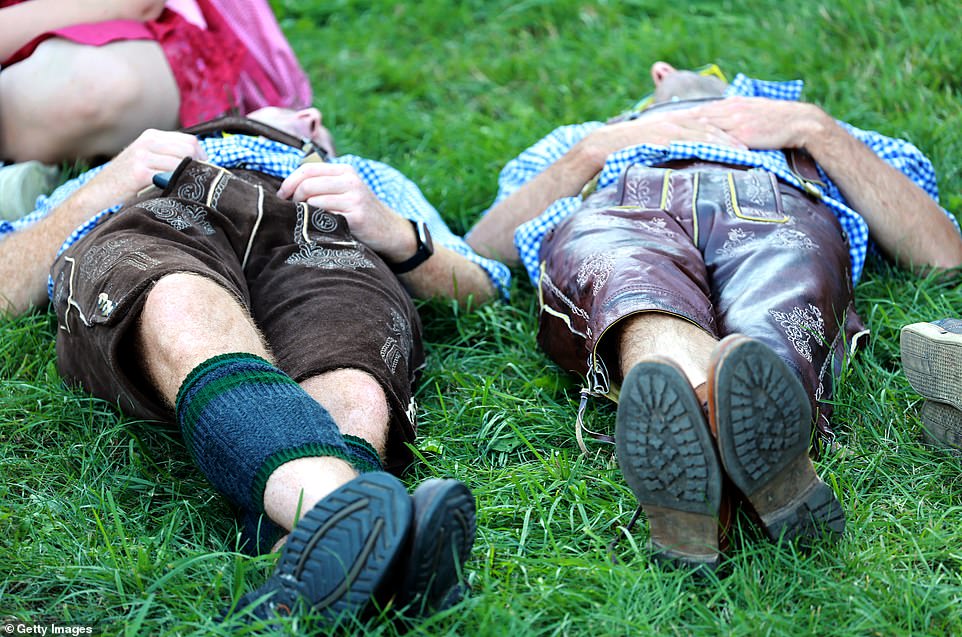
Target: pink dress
(225, 55)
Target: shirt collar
(744, 86)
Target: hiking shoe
(763, 417)
(340, 551)
(668, 458)
(21, 184)
(441, 541)
(932, 360)
(942, 426)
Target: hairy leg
(649, 333)
(209, 322)
(70, 100)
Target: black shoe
(763, 417)
(668, 458)
(444, 529)
(258, 533)
(340, 552)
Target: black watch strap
(425, 249)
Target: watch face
(425, 249)
(424, 237)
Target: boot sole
(444, 530)
(668, 459)
(343, 548)
(932, 360)
(764, 422)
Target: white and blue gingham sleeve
(404, 197)
(536, 159)
(529, 236)
(525, 167)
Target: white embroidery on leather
(596, 268)
(178, 215)
(194, 188)
(312, 256)
(399, 345)
(796, 239)
(100, 259)
(800, 326)
(737, 241)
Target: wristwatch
(425, 249)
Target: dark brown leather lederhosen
(297, 270)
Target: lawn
(104, 522)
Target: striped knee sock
(242, 418)
(363, 456)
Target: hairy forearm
(903, 220)
(493, 235)
(448, 274)
(26, 256)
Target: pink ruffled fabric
(274, 77)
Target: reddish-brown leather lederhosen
(728, 248)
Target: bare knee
(363, 391)
(187, 319)
(174, 314)
(356, 402)
(181, 296)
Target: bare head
(305, 123)
(672, 84)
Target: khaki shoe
(21, 184)
(932, 360)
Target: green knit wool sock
(242, 418)
(364, 457)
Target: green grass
(105, 522)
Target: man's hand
(133, 169)
(659, 129)
(672, 126)
(337, 188)
(904, 221)
(763, 124)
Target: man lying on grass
(700, 252)
(259, 294)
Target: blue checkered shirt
(279, 160)
(528, 236)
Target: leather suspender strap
(246, 126)
(803, 166)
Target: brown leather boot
(731, 499)
(763, 417)
(668, 458)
